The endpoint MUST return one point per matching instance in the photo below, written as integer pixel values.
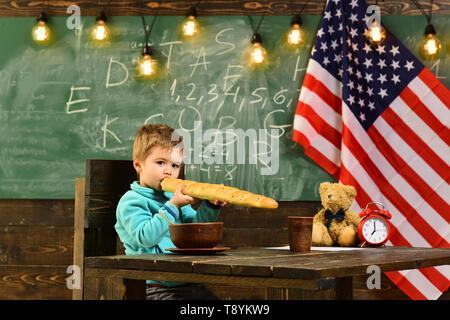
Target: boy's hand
(217, 202)
(180, 199)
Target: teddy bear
(335, 224)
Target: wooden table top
(279, 263)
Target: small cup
(300, 233)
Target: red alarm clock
(374, 229)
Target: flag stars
(358, 74)
(382, 93)
(361, 103)
(371, 106)
(368, 77)
(395, 78)
(370, 91)
(362, 116)
(381, 63)
(338, 13)
(351, 99)
(382, 78)
(320, 33)
(326, 61)
(354, 17)
(350, 69)
(334, 44)
(367, 48)
(394, 51)
(380, 49)
(368, 63)
(354, 4)
(327, 15)
(395, 64)
(409, 65)
(330, 30)
(323, 46)
(337, 58)
(354, 32)
(359, 88)
(351, 84)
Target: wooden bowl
(196, 235)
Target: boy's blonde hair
(154, 135)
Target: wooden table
(317, 274)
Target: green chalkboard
(73, 100)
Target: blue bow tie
(339, 216)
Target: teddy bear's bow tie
(339, 216)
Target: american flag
(374, 117)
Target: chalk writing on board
(435, 66)
(72, 102)
(108, 76)
(229, 44)
(201, 55)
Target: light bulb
(432, 46)
(376, 33)
(147, 66)
(41, 32)
(295, 33)
(257, 53)
(100, 31)
(190, 25)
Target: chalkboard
(74, 100)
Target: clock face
(375, 230)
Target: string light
(100, 31)
(147, 65)
(257, 53)
(190, 26)
(41, 32)
(376, 33)
(295, 33)
(431, 46)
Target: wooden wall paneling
(36, 247)
(31, 8)
(26, 282)
(78, 252)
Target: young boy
(143, 211)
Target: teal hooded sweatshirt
(142, 229)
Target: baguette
(212, 192)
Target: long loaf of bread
(210, 191)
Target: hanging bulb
(432, 46)
(295, 34)
(376, 33)
(190, 25)
(147, 66)
(100, 31)
(257, 53)
(41, 32)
